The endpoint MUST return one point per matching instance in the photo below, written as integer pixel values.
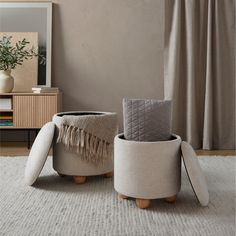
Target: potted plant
(10, 57)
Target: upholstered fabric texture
(146, 119)
(148, 170)
(67, 162)
(89, 135)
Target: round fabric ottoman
(66, 162)
(147, 170)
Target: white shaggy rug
(56, 206)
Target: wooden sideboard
(31, 110)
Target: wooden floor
(20, 149)
(216, 152)
(14, 149)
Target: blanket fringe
(88, 146)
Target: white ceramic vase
(6, 81)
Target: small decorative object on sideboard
(6, 120)
(6, 81)
(45, 89)
(10, 57)
(5, 103)
(6, 116)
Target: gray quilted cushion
(147, 119)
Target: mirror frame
(48, 7)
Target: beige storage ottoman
(147, 170)
(68, 163)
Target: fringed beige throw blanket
(90, 136)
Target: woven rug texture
(57, 206)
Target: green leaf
(11, 56)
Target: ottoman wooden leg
(61, 175)
(122, 196)
(142, 203)
(171, 199)
(108, 175)
(79, 179)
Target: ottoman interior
(80, 114)
(171, 138)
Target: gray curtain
(200, 70)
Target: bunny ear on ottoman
(39, 153)
(147, 119)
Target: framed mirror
(32, 21)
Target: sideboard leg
(28, 138)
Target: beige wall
(106, 50)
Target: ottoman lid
(39, 153)
(195, 174)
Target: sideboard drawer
(33, 111)
(46, 107)
(24, 111)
